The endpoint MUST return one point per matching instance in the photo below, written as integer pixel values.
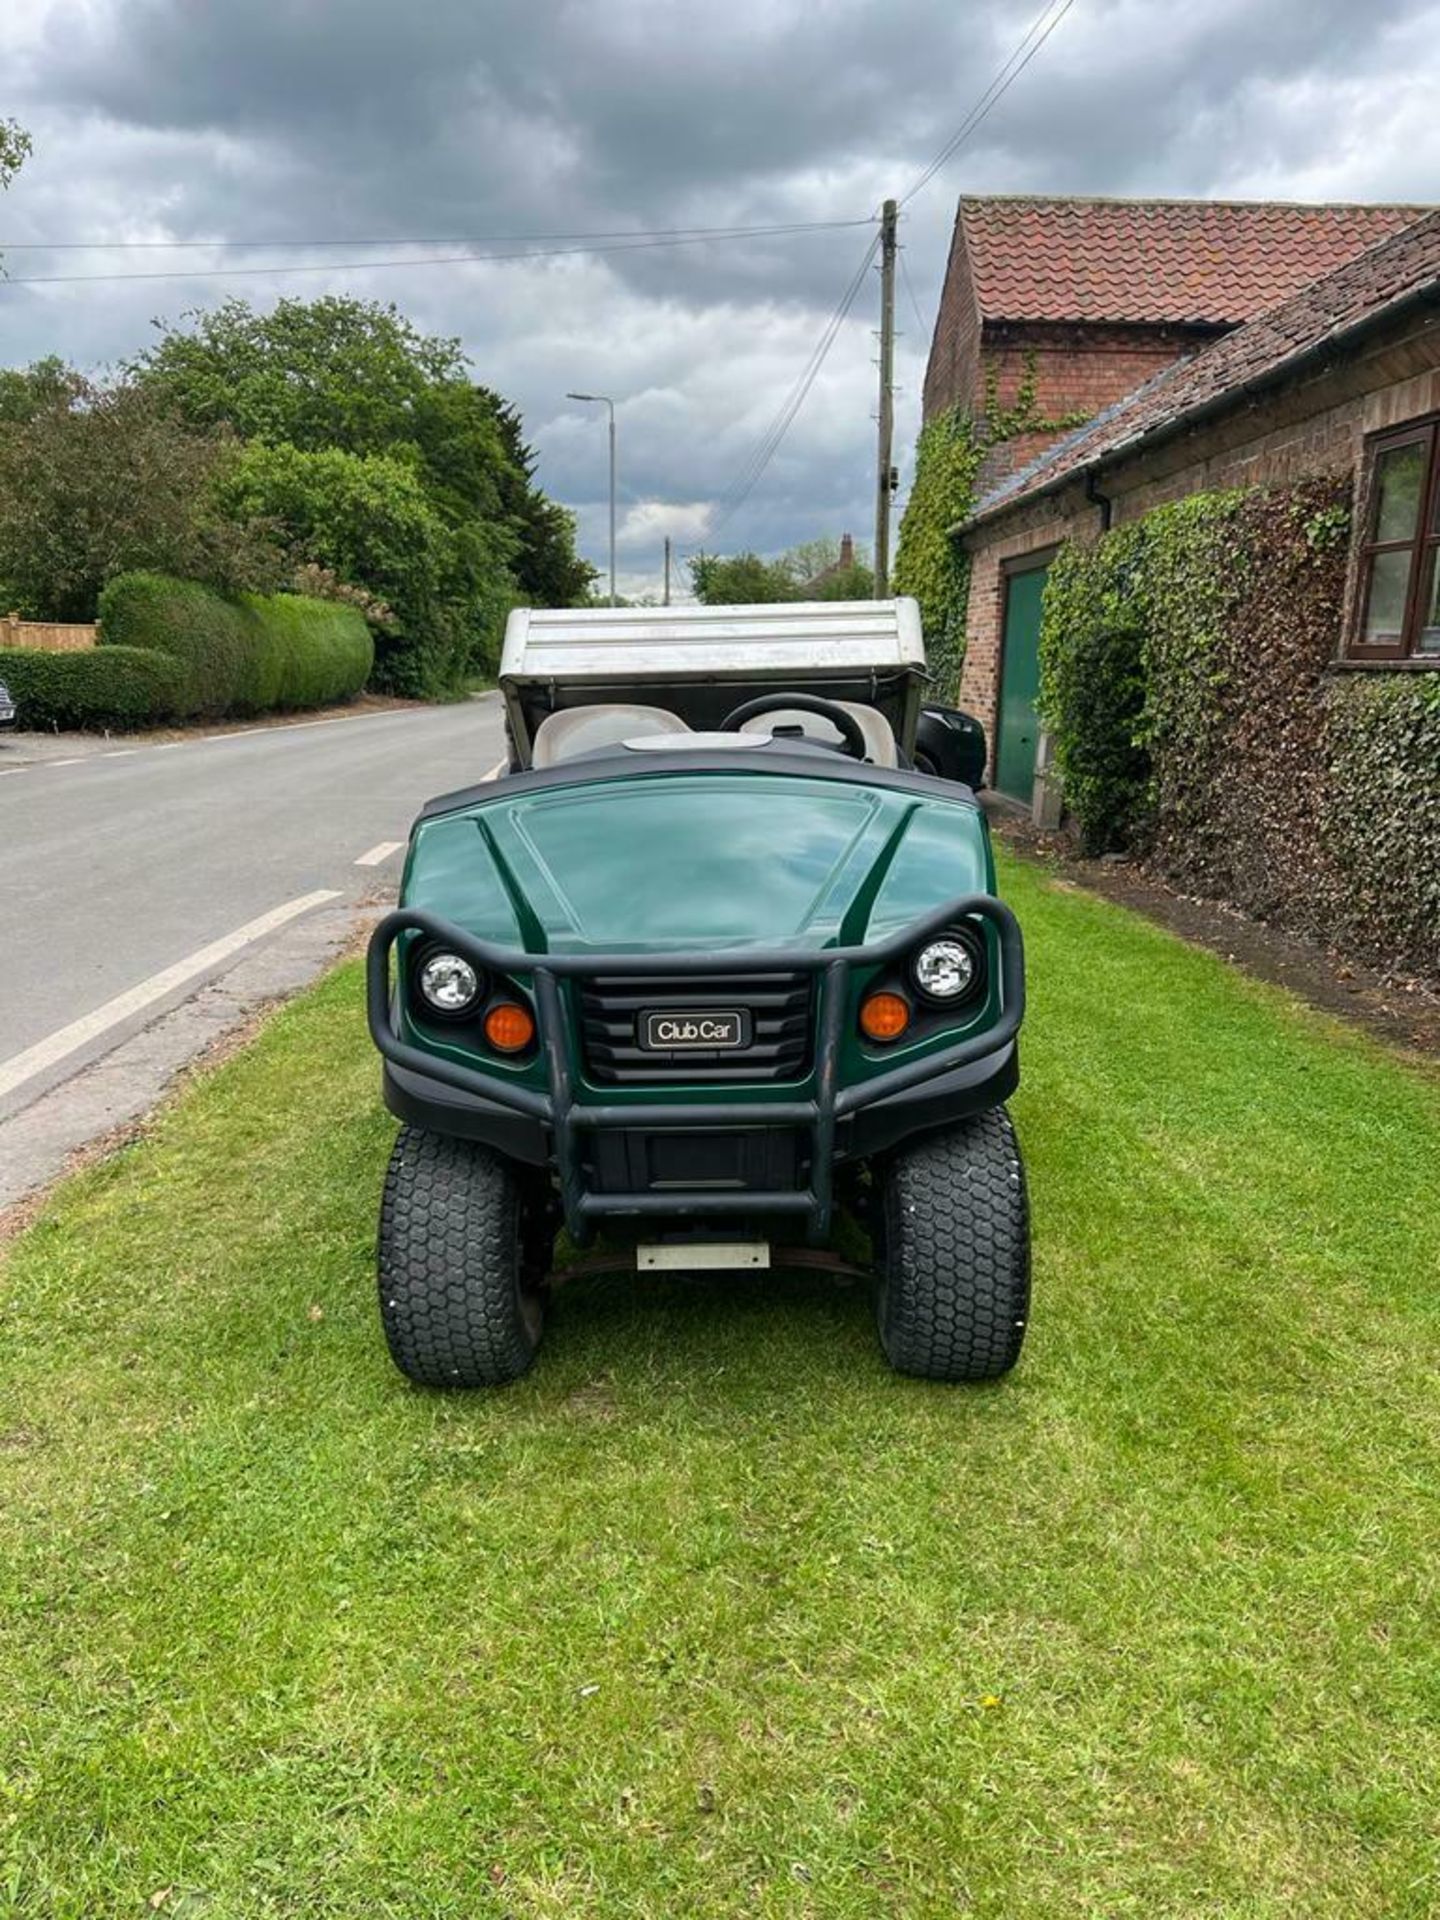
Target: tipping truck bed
(702, 661)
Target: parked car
(7, 707)
(708, 963)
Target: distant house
(814, 587)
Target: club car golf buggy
(708, 962)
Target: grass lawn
(713, 1615)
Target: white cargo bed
(701, 661)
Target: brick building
(1083, 300)
(1330, 382)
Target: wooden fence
(48, 636)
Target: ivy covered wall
(1187, 675)
(949, 455)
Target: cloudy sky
(444, 121)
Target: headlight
(448, 983)
(946, 969)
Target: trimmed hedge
(253, 654)
(1187, 674)
(210, 638)
(116, 687)
(1092, 686)
(310, 653)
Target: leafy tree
(368, 518)
(548, 570)
(739, 580)
(26, 391)
(855, 582)
(15, 149)
(744, 579)
(96, 481)
(351, 377)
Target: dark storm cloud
(363, 118)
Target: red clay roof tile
(1196, 262)
(1405, 266)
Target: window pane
(1429, 640)
(1385, 604)
(1399, 482)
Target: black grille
(778, 1003)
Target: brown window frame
(1423, 546)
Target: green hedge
(115, 687)
(1187, 675)
(1380, 811)
(310, 652)
(212, 639)
(246, 655)
(1092, 686)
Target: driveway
(154, 894)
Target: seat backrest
(879, 740)
(560, 736)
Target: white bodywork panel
(701, 661)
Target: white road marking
(377, 856)
(91, 1026)
(118, 753)
(6, 771)
(73, 761)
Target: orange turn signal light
(884, 1016)
(509, 1028)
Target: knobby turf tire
(955, 1269)
(451, 1300)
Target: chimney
(847, 550)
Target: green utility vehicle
(708, 962)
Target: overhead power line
(741, 487)
(637, 243)
(1034, 39)
(731, 232)
(910, 289)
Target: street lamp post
(604, 400)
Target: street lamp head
(580, 396)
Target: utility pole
(666, 600)
(889, 220)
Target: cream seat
(879, 740)
(560, 736)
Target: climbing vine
(949, 454)
(1187, 674)
(1024, 413)
(928, 563)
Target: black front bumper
(838, 1123)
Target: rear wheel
(460, 1301)
(955, 1253)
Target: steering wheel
(852, 740)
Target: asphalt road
(132, 876)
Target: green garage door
(1018, 728)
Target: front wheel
(955, 1267)
(457, 1297)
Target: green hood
(704, 860)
